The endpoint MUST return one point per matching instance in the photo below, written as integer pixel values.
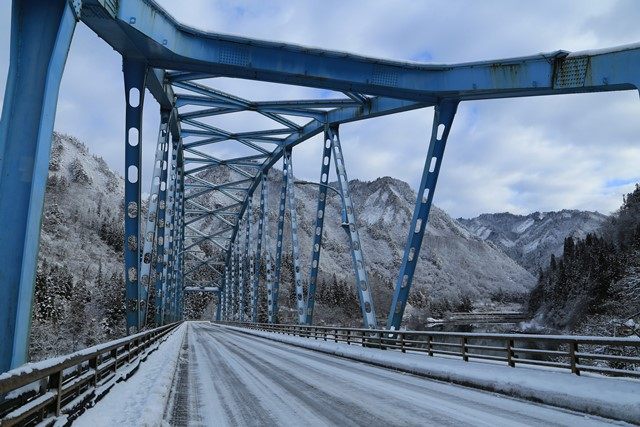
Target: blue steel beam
(168, 272)
(180, 237)
(317, 235)
(246, 261)
(273, 293)
(41, 33)
(160, 288)
(443, 118)
(295, 247)
(257, 263)
(143, 27)
(149, 233)
(134, 85)
(363, 288)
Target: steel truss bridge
(183, 237)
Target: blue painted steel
(161, 290)
(229, 286)
(233, 288)
(135, 72)
(317, 235)
(149, 234)
(255, 297)
(272, 294)
(295, 247)
(170, 308)
(363, 288)
(219, 306)
(157, 35)
(180, 239)
(443, 118)
(246, 264)
(41, 33)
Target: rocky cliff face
(531, 239)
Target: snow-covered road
(229, 378)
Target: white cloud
(519, 155)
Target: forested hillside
(595, 284)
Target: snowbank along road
(226, 377)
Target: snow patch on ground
(607, 397)
(142, 399)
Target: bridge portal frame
(161, 54)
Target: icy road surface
(226, 377)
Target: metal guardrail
(64, 386)
(604, 355)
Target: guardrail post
(55, 383)
(401, 338)
(573, 349)
(348, 337)
(465, 357)
(510, 354)
(93, 364)
(430, 345)
(114, 355)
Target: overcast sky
(519, 155)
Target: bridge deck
(229, 378)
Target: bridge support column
(170, 309)
(247, 260)
(443, 118)
(134, 84)
(219, 306)
(41, 33)
(295, 247)
(160, 288)
(257, 259)
(317, 235)
(362, 283)
(179, 236)
(234, 279)
(152, 212)
(272, 294)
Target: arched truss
(179, 65)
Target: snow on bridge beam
(143, 28)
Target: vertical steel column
(179, 236)
(41, 33)
(234, 278)
(168, 240)
(223, 291)
(227, 288)
(295, 248)
(219, 305)
(272, 294)
(258, 254)
(241, 260)
(160, 233)
(247, 259)
(135, 72)
(443, 118)
(362, 283)
(317, 236)
(152, 212)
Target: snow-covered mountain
(80, 260)
(79, 284)
(454, 264)
(531, 239)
